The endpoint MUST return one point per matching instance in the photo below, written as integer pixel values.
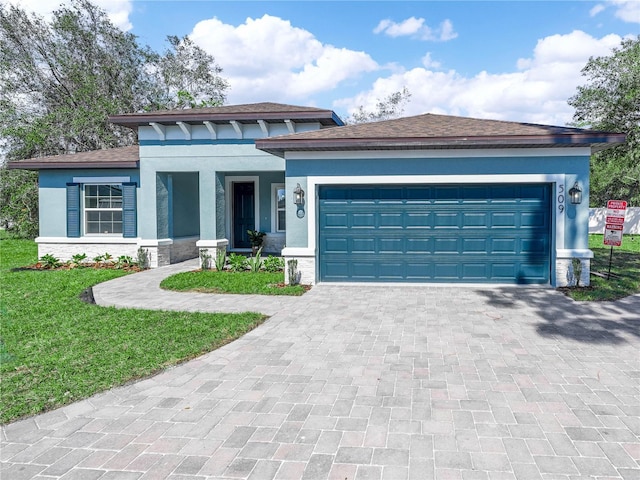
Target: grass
(56, 349)
(212, 281)
(625, 266)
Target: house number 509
(560, 198)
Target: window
(103, 209)
(278, 212)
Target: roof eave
(277, 146)
(135, 120)
(34, 165)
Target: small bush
(255, 263)
(49, 261)
(142, 258)
(237, 263)
(273, 264)
(205, 259)
(221, 258)
(124, 261)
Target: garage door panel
(481, 233)
(361, 245)
(446, 219)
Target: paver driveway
(365, 382)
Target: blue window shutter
(73, 210)
(129, 217)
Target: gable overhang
(596, 141)
(34, 164)
(326, 118)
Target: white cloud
(117, 10)
(268, 58)
(415, 27)
(627, 10)
(536, 92)
(428, 62)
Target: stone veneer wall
(65, 251)
(566, 276)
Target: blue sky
(511, 60)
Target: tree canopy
(387, 108)
(610, 101)
(61, 79)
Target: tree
(187, 77)
(60, 80)
(610, 101)
(390, 107)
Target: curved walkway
(363, 382)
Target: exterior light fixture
(298, 195)
(575, 194)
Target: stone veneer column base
(211, 248)
(306, 264)
(565, 271)
(158, 252)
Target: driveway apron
(363, 382)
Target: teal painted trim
(202, 141)
(434, 166)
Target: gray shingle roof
(123, 157)
(250, 112)
(437, 131)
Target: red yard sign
(616, 210)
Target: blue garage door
(444, 233)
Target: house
(429, 198)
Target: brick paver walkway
(364, 383)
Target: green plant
(205, 259)
(49, 261)
(294, 275)
(221, 258)
(237, 263)
(273, 264)
(142, 258)
(78, 258)
(105, 257)
(255, 263)
(124, 261)
(255, 237)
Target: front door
(243, 213)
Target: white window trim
(84, 232)
(274, 206)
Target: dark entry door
(244, 216)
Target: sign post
(614, 226)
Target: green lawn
(625, 264)
(56, 349)
(211, 281)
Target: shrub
(142, 258)
(255, 263)
(237, 263)
(205, 259)
(49, 261)
(124, 261)
(221, 258)
(273, 264)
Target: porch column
(211, 215)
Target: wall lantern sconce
(298, 195)
(575, 194)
